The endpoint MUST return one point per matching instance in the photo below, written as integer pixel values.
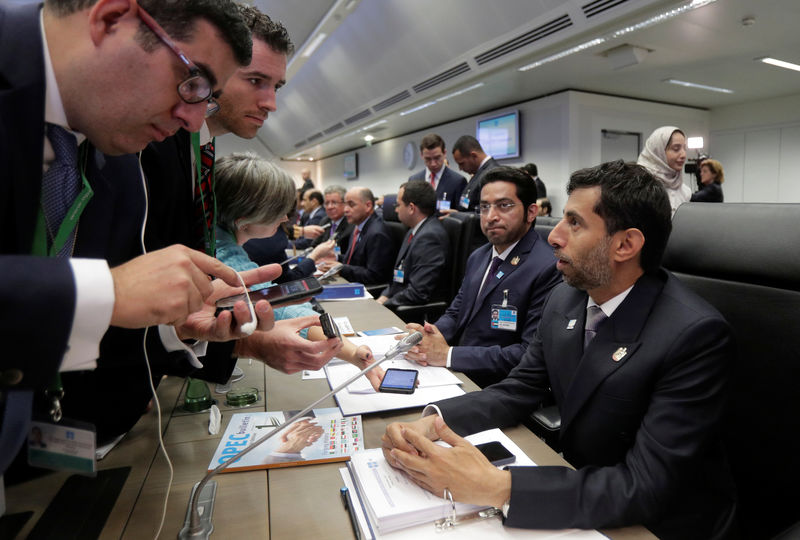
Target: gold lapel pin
(515, 261)
(619, 354)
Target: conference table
(283, 503)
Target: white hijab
(654, 157)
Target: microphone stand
(193, 527)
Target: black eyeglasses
(196, 88)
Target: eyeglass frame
(194, 71)
(502, 207)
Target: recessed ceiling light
(699, 86)
(369, 138)
(779, 63)
(459, 92)
(418, 108)
(318, 39)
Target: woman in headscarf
(664, 155)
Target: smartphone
(399, 381)
(496, 453)
(329, 327)
(391, 330)
(277, 294)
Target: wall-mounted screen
(351, 166)
(499, 135)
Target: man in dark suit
(533, 172)
(471, 159)
(63, 124)
(490, 322)
(447, 183)
(637, 364)
(421, 261)
(313, 211)
(369, 257)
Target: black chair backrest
(389, 210)
(397, 231)
(544, 225)
(744, 259)
(471, 238)
(455, 231)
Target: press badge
(465, 201)
(504, 316)
(443, 204)
(63, 446)
(398, 275)
(337, 251)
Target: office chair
(744, 260)
(397, 231)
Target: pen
(345, 494)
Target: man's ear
(627, 244)
(533, 211)
(106, 15)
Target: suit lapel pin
(515, 261)
(571, 324)
(619, 354)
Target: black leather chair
(397, 231)
(544, 225)
(449, 285)
(744, 259)
(389, 209)
(471, 238)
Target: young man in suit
(637, 364)
(421, 260)
(79, 101)
(493, 317)
(313, 212)
(447, 183)
(369, 257)
(471, 159)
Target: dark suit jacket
(709, 193)
(451, 183)
(342, 234)
(33, 288)
(642, 430)
(308, 219)
(485, 354)
(423, 261)
(373, 255)
(473, 188)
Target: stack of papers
(435, 383)
(386, 504)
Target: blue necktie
(61, 184)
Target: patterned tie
(433, 180)
(496, 262)
(333, 229)
(352, 245)
(204, 199)
(594, 318)
(61, 184)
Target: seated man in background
(488, 325)
(340, 230)
(421, 260)
(313, 212)
(638, 366)
(545, 208)
(368, 259)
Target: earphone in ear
(248, 327)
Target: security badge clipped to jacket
(504, 316)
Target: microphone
(193, 526)
(332, 271)
(301, 254)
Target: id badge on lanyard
(503, 316)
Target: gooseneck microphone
(196, 528)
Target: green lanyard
(70, 220)
(210, 235)
(56, 391)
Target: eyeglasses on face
(503, 207)
(196, 88)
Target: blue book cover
(341, 291)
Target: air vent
(386, 103)
(599, 6)
(441, 77)
(523, 40)
(301, 143)
(333, 128)
(314, 137)
(356, 117)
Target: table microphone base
(205, 507)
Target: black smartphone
(329, 327)
(399, 381)
(496, 453)
(277, 294)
